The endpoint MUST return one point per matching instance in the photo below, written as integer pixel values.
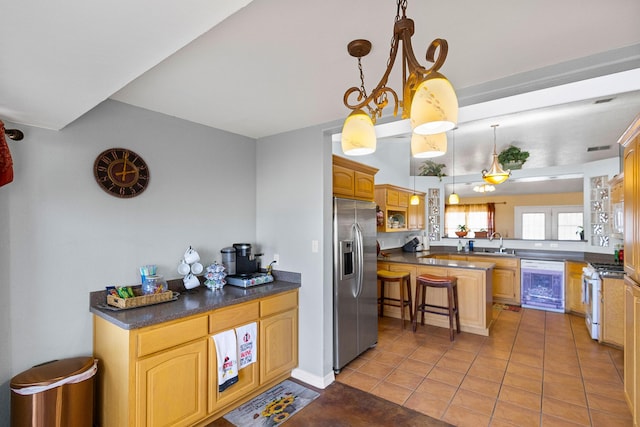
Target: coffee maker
(246, 263)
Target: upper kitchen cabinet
(630, 140)
(353, 180)
(397, 213)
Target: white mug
(183, 268)
(191, 256)
(190, 281)
(196, 268)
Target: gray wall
(62, 237)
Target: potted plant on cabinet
(462, 230)
(431, 168)
(481, 234)
(512, 157)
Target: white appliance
(355, 287)
(542, 284)
(592, 293)
(591, 288)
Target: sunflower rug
(273, 407)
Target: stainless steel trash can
(54, 394)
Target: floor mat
(507, 307)
(272, 407)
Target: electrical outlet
(314, 246)
(276, 258)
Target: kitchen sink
(492, 252)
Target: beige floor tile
(571, 393)
(361, 381)
(391, 392)
(607, 419)
(606, 404)
(481, 385)
(523, 383)
(516, 415)
(437, 389)
(475, 402)
(568, 411)
(460, 354)
(523, 398)
(524, 371)
(388, 358)
(427, 404)
(404, 379)
(463, 417)
(454, 364)
(415, 367)
(551, 421)
(376, 369)
(602, 388)
(426, 355)
(446, 376)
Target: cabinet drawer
(236, 315)
(278, 303)
(166, 336)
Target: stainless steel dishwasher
(542, 284)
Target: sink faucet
(499, 235)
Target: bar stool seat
(425, 281)
(402, 278)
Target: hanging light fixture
(484, 188)
(414, 200)
(428, 146)
(429, 100)
(495, 174)
(454, 199)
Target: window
(475, 216)
(548, 222)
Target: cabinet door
(416, 215)
(171, 386)
(343, 181)
(364, 186)
(247, 382)
(631, 215)
(278, 351)
(470, 291)
(573, 292)
(612, 321)
(504, 282)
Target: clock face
(121, 172)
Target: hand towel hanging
(6, 163)
(247, 344)
(227, 355)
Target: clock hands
(123, 174)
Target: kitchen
(51, 250)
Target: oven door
(590, 292)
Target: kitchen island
(158, 364)
(474, 287)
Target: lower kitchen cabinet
(612, 316)
(632, 348)
(573, 288)
(166, 374)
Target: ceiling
(262, 67)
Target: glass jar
(154, 285)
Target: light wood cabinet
(630, 140)
(394, 204)
(632, 348)
(417, 214)
(612, 320)
(166, 374)
(353, 180)
(573, 288)
(474, 295)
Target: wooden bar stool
(425, 281)
(402, 278)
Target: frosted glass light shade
(484, 188)
(454, 199)
(434, 108)
(358, 134)
(427, 146)
(495, 175)
(414, 200)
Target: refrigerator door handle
(359, 255)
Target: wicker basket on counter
(139, 301)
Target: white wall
(62, 237)
(294, 209)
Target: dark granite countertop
(422, 258)
(189, 302)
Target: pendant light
(495, 175)
(358, 134)
(414, 200)
(454, 199)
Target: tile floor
(536, 368)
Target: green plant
(512, 154)
(431, 168)
(463, 228)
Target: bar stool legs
(425, 281)
(403, 278)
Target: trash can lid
(51, 372)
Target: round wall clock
(121, 172)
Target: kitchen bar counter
(422, 259)
(189, 302)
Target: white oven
(591, 287)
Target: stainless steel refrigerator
(355, 290)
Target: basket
(139, 301)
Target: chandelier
(429, 100)
(495, 175)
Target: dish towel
(227, 353)
(6, 164)
(247, 344)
